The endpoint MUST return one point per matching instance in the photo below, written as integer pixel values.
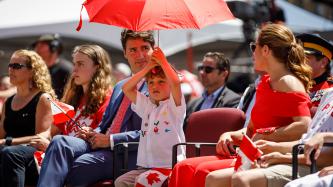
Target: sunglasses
(206, 69)
(253, 46)
(17, 66)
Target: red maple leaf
(153, 177)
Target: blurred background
(22, 22)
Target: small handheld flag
(38, 157)
(62, 112)
(246, 154)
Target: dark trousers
(17, 166)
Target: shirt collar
(214, 94)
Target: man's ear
(125, 55)
(225, 73)
(324, 61)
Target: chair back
(208, 125)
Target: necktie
(117, 121)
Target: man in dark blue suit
(88, 159)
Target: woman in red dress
(282, 106)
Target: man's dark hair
(222, 62)
(147, 36)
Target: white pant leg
(312, 180)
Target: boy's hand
(151, 65)
(158, 56)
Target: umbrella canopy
(142, 15)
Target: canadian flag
(246, 154)
(154, 177)
(39, 156)
(61, 112)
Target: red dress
(272, 109)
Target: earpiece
(55, 45)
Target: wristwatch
(8, 141)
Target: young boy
(162, 116)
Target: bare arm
(129, 88)
(2, 130)
(269, 147)
(171, 75)
(290, 132)
(43, 120)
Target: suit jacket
(131, 125)
(227, 98)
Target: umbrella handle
(158, 38)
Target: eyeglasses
(17, 66)
(253, 46)
(206, 69)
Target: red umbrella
(142, 15)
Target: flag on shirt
(246, 154)
(154, 177)
(61, 112)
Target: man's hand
(99, 141)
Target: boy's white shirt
(155, 147)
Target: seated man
(86, 160)
(319, 53)
(213, 72)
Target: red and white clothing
(271, 109)
(92, 120)
(69, 128)
(161, 128)
(323, 119)
(322, 85)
